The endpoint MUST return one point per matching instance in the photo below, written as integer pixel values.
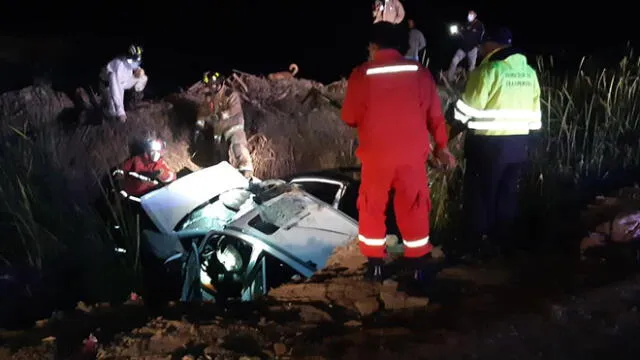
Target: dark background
(326, 38)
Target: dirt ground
(521, 309)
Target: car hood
(170, 204)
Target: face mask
(470, 17)
(133, 63)
(155, 156)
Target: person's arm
(141, 80)
(435, 117)
(235, 108)
(354, 105)
(165, 174)
(413, 44)
(422, 42)
(399, 12)
(480, 33)
(122, 170)
(477, 93)
(115, 89)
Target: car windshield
(218, 212)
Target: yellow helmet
(211, 77)
(135, 53)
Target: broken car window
(224, 263)
(279, 273)
(323, 191)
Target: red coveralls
(142, 164)
(393, 102)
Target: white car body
(295, 227)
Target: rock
(280, 349)
(437, 253)
(5, 353)
(42, 323)
(310, 314)
(210, 350)
(397, 300)
(367, 306)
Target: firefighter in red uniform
(394, 105)
(150, 166)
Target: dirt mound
(293, 125)
(32, 107)
(286, 134)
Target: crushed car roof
(170, 204)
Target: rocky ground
(524, 309)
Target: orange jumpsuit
(394, 105)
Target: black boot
(420, 268)
(374, 270)
(422, 274)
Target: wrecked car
(228, 238)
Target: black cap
(500, 35)
(387, 35)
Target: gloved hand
(247, 174)
(154, 174)
(122, 118)
(138, 72)
(445, 158)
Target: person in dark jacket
(470, 37)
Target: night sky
(326, 38)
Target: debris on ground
(612, 219)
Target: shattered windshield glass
(215, 215)
(283, 209)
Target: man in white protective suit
(120, 74)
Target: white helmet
(155, 148)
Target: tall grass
(589, 143)
(46, 227)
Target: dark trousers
(490, 198)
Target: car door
(328, 190)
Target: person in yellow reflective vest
(499, 108)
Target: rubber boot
(374, 271)
(423, 274)
(419, 267)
